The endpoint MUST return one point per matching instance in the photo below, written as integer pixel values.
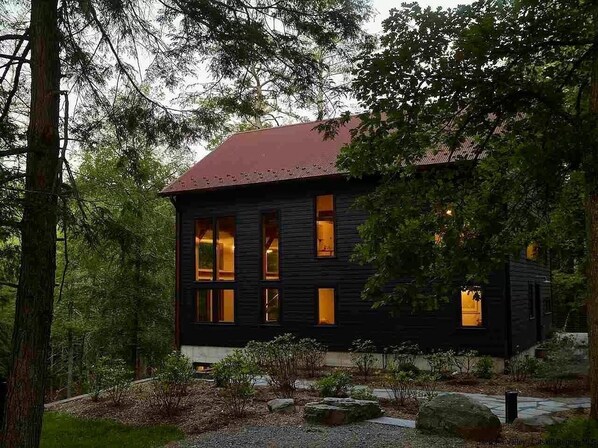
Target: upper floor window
(215, 249)
(532, 251)
(271, 245)
(325, 226)
(471, 308)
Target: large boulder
(458, 415)
(340, 411)
(282, 405)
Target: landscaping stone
(536, 423)
(282, 405)
(340, 411)
(458, 415)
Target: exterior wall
(302, 273)
(524, 330)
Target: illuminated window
(215, 305)
(532, 251)
(218, 245)
(325, 225)
(271, 242)
(326, 312)
(471, 308)
(271, 305)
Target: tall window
(215, 250)
(215, 305)
(271, 299)
(326, 306)
(325, 225)
(471, 308)
(531, 305)
(270, 250)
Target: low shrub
(522, 366)
(405, 353)
(237, 373)
(313, 356)
(112, 377)
(563, 360)
(363, 393)
(96, 381)
(171, 382)
(410, 368)
(466, 361)
(428, 384)
(335, 384)
(400, 383)
(574, 432)
(363, 356)
(441, 362)
(484, 367)
(280, 359)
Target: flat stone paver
(392, 421)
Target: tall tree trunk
(34, 303)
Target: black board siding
(302, 273)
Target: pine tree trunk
(33, 314)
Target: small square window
(326, 306)
(215, 305)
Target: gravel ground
(368, 435)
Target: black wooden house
(265, 231)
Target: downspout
(508, 315)
(177, 276)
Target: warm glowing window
(215, 249)
(225, 246)
(325, 225)
(215, 305)
(326, 311)
(471, 308)
(204, 249)
(271, 305)
(271, 242)
(532, 251)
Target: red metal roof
(296, 151)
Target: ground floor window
(271, 297)
(215, 305)
(471, 308)
(326, 306)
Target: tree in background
(509, 92)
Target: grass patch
(575, 432)
(65, 431)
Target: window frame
(334, 226)
(215, 232)
(483, 311)
(262, 242)
(334, 287)
(263, 289)
(531, 300)
(215, 303)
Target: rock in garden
(340, 411)
(537, 423)
(458, 415)
(282, 405)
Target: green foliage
(314, 354)
(523, 366)
(171, 382)
(111, 377)
(405, 353)
(410, 368)
(363, 393)
(572, 432)
(441, 362)
(484, 367)
(280, 359)
(428, 384)
(400, 383)
(67, 431)
(466, 361)
(363, 356)
(335, 384)
(563, 359)
(236, 373)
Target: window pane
(271, 243)
(271, 305)
(203, 305)
(226, 305)
(471, 308)
(204, 250)
(326, 306)
(225, 248)
(325, 225)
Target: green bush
(409, 367)
(363, 393)
(428, 384)
(563, 360)
(485, 367)
(400, 383)
(171, 382)
(335, 384)
(466, 361)
(363, 356)
(405, 353)
(441, 362)
(522, 366)
(237, 373)
(313, 356)
(574, 432)
(110, 376)
(280, 359)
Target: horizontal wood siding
(301, 273)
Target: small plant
(363, 356)
(485, 367)
(314, 354)
(563, 360)
(237, 372)
(573, 432)
(405, 353)
(401, 384)
(335, 384)
(97, 377)
(466, 361)
(363, 393)
(110, 376)
(428, 383)
(171, 383)
(522, 366)
(441, 362)
(411, 368)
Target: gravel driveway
(368, 435)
